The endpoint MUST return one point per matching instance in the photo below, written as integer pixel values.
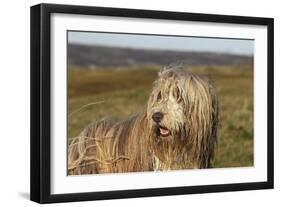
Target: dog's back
(107, 147)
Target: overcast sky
(233, 46)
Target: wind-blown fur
(177, 130)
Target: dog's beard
(162, 133)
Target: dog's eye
(176, 94)
(159, 96)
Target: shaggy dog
(177, 130)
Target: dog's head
(166, 106)
(181, 106)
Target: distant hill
(85, 55)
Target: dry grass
(120, 93)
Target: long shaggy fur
(183, 137)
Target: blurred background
(110, 75)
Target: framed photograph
(133, 103)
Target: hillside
(89, 56)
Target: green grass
(125, 91)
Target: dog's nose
(157, 117)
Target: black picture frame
(41, 99)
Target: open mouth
(163, 131)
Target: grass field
(123, 92)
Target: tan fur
(190, 109)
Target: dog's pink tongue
(164, 131)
